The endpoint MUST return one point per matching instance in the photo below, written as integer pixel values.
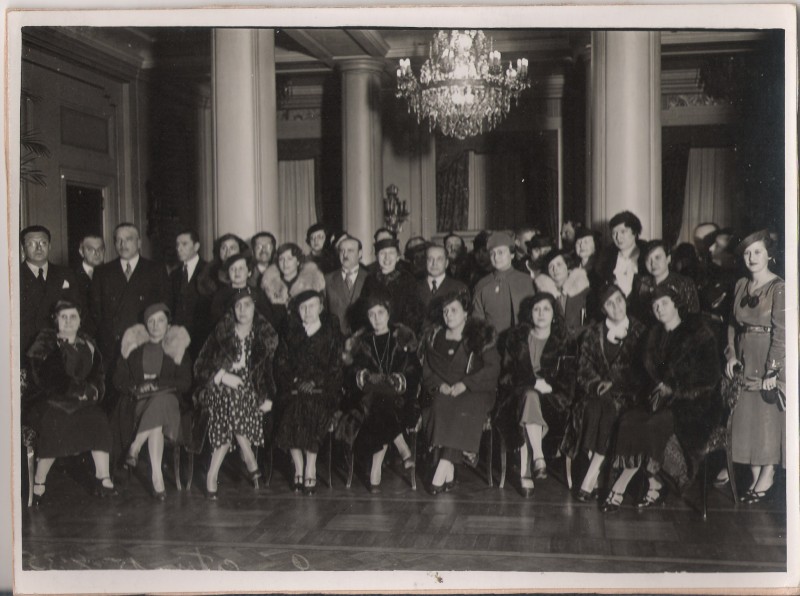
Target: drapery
(452, 194)
(297, 199)
(476, 219)
(710, 190)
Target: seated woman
(683, 369)
(534, 391)
(569, 285)
(609, 382)
(279, 281)
(308, 369)
(382, 382)
(68, 385)
(657, 259)
(233, 375)
(153, 374)
(460, 366)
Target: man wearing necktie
(121, 289)
(436, 283)
(499, 294)
(93, 252)
(343, 286)
(190, 308)
(42, 284)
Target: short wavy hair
(558, 327)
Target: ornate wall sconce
(395, 211)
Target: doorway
(84, 216)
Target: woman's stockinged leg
(590, 480)
(297, 460)
(217, 457)
(377, 462)
(402, 447)
(444, 469)
(43, 466)
(155, 447)
(248, 456)
(101, 468)
(311, 465)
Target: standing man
(499, 294)
(93, 253)
(189, 307)
(263, 245)
(436, 283)
(122, 289)
(42, 284)
(343, 287)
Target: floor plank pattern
(475, 527)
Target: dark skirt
(61, 434)
(159, 410)
(457, 422)
(591, 426)
(642, 437)
(304, 421)
(374, 422)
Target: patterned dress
(235, 411)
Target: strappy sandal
(310, 486)
(526, 487)
(297, 486)
(540, 468)
(612, 503)
(652, 498)
(103, 491)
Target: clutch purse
(775, 396)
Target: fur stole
(47, 341)
(405, 338)
(577, 281)
(175, 342)
(309, 277)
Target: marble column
(245, 132)
(625, 98)
(362, 163)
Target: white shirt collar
(346, 272)
(439, 279)
(35, 268)
(191, 265)
(134, 261)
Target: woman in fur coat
(381, 385)
(153, 374)
(609, 381)
(569, 285)
(68, 385)
(289, 277)
(308, 368)
(460, 366)
(535, 386)
(235, 383)
(682, 365)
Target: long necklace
(381, 359)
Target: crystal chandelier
(463, 88)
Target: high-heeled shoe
(436, 489)
(584, 496)
(297, 486)
(374, 489)
(37, 498)
(526, 487)
(409, 463)
(310, 486)
(760, 496)
(103, 491)
(253, 477)
(612, 503)
(650, 501)
(743, 498)
(131, 460)
(721, 481)
(211, 495)
(539, 468)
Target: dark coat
(688, 301)
(457, 422)
(189, 307)
(341, 302)
(84, 282)
(387, 406)
(303, 418)
(517, 377)
(36, 302)
(686, 361)
(604, 273)
(117, 304)
(219, 351)
(50, 377)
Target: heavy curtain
(675, 162)
(710, 190)
(452, 193)
(297, 199)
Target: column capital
(362, 65)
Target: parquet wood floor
(475, 527)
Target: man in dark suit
(93, 252)
(343, 287)
(42, 284)
(189, 307)
(437, 283)
(263, 246)
(122, 289)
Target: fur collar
(308, 278)
(47, 341)
(405, 338)
(174, 343)
(577, 281)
